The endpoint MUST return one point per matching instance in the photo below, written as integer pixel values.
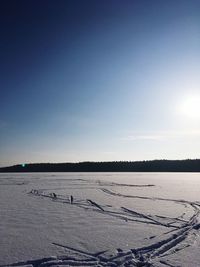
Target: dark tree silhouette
(112, 166)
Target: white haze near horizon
(116, 215)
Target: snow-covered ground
(116, 219)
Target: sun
(190, 107)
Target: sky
(99, 80)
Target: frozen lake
(116, 219)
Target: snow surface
(116, 219)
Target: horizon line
(88, 161)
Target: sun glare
(190, 107)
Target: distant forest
(112, 166)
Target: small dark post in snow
(54, 195)
(71, 199)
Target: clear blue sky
(99, 80)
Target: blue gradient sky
(98, 80)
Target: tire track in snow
(179, 236)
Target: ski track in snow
(179, 235)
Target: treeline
(112, 166)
